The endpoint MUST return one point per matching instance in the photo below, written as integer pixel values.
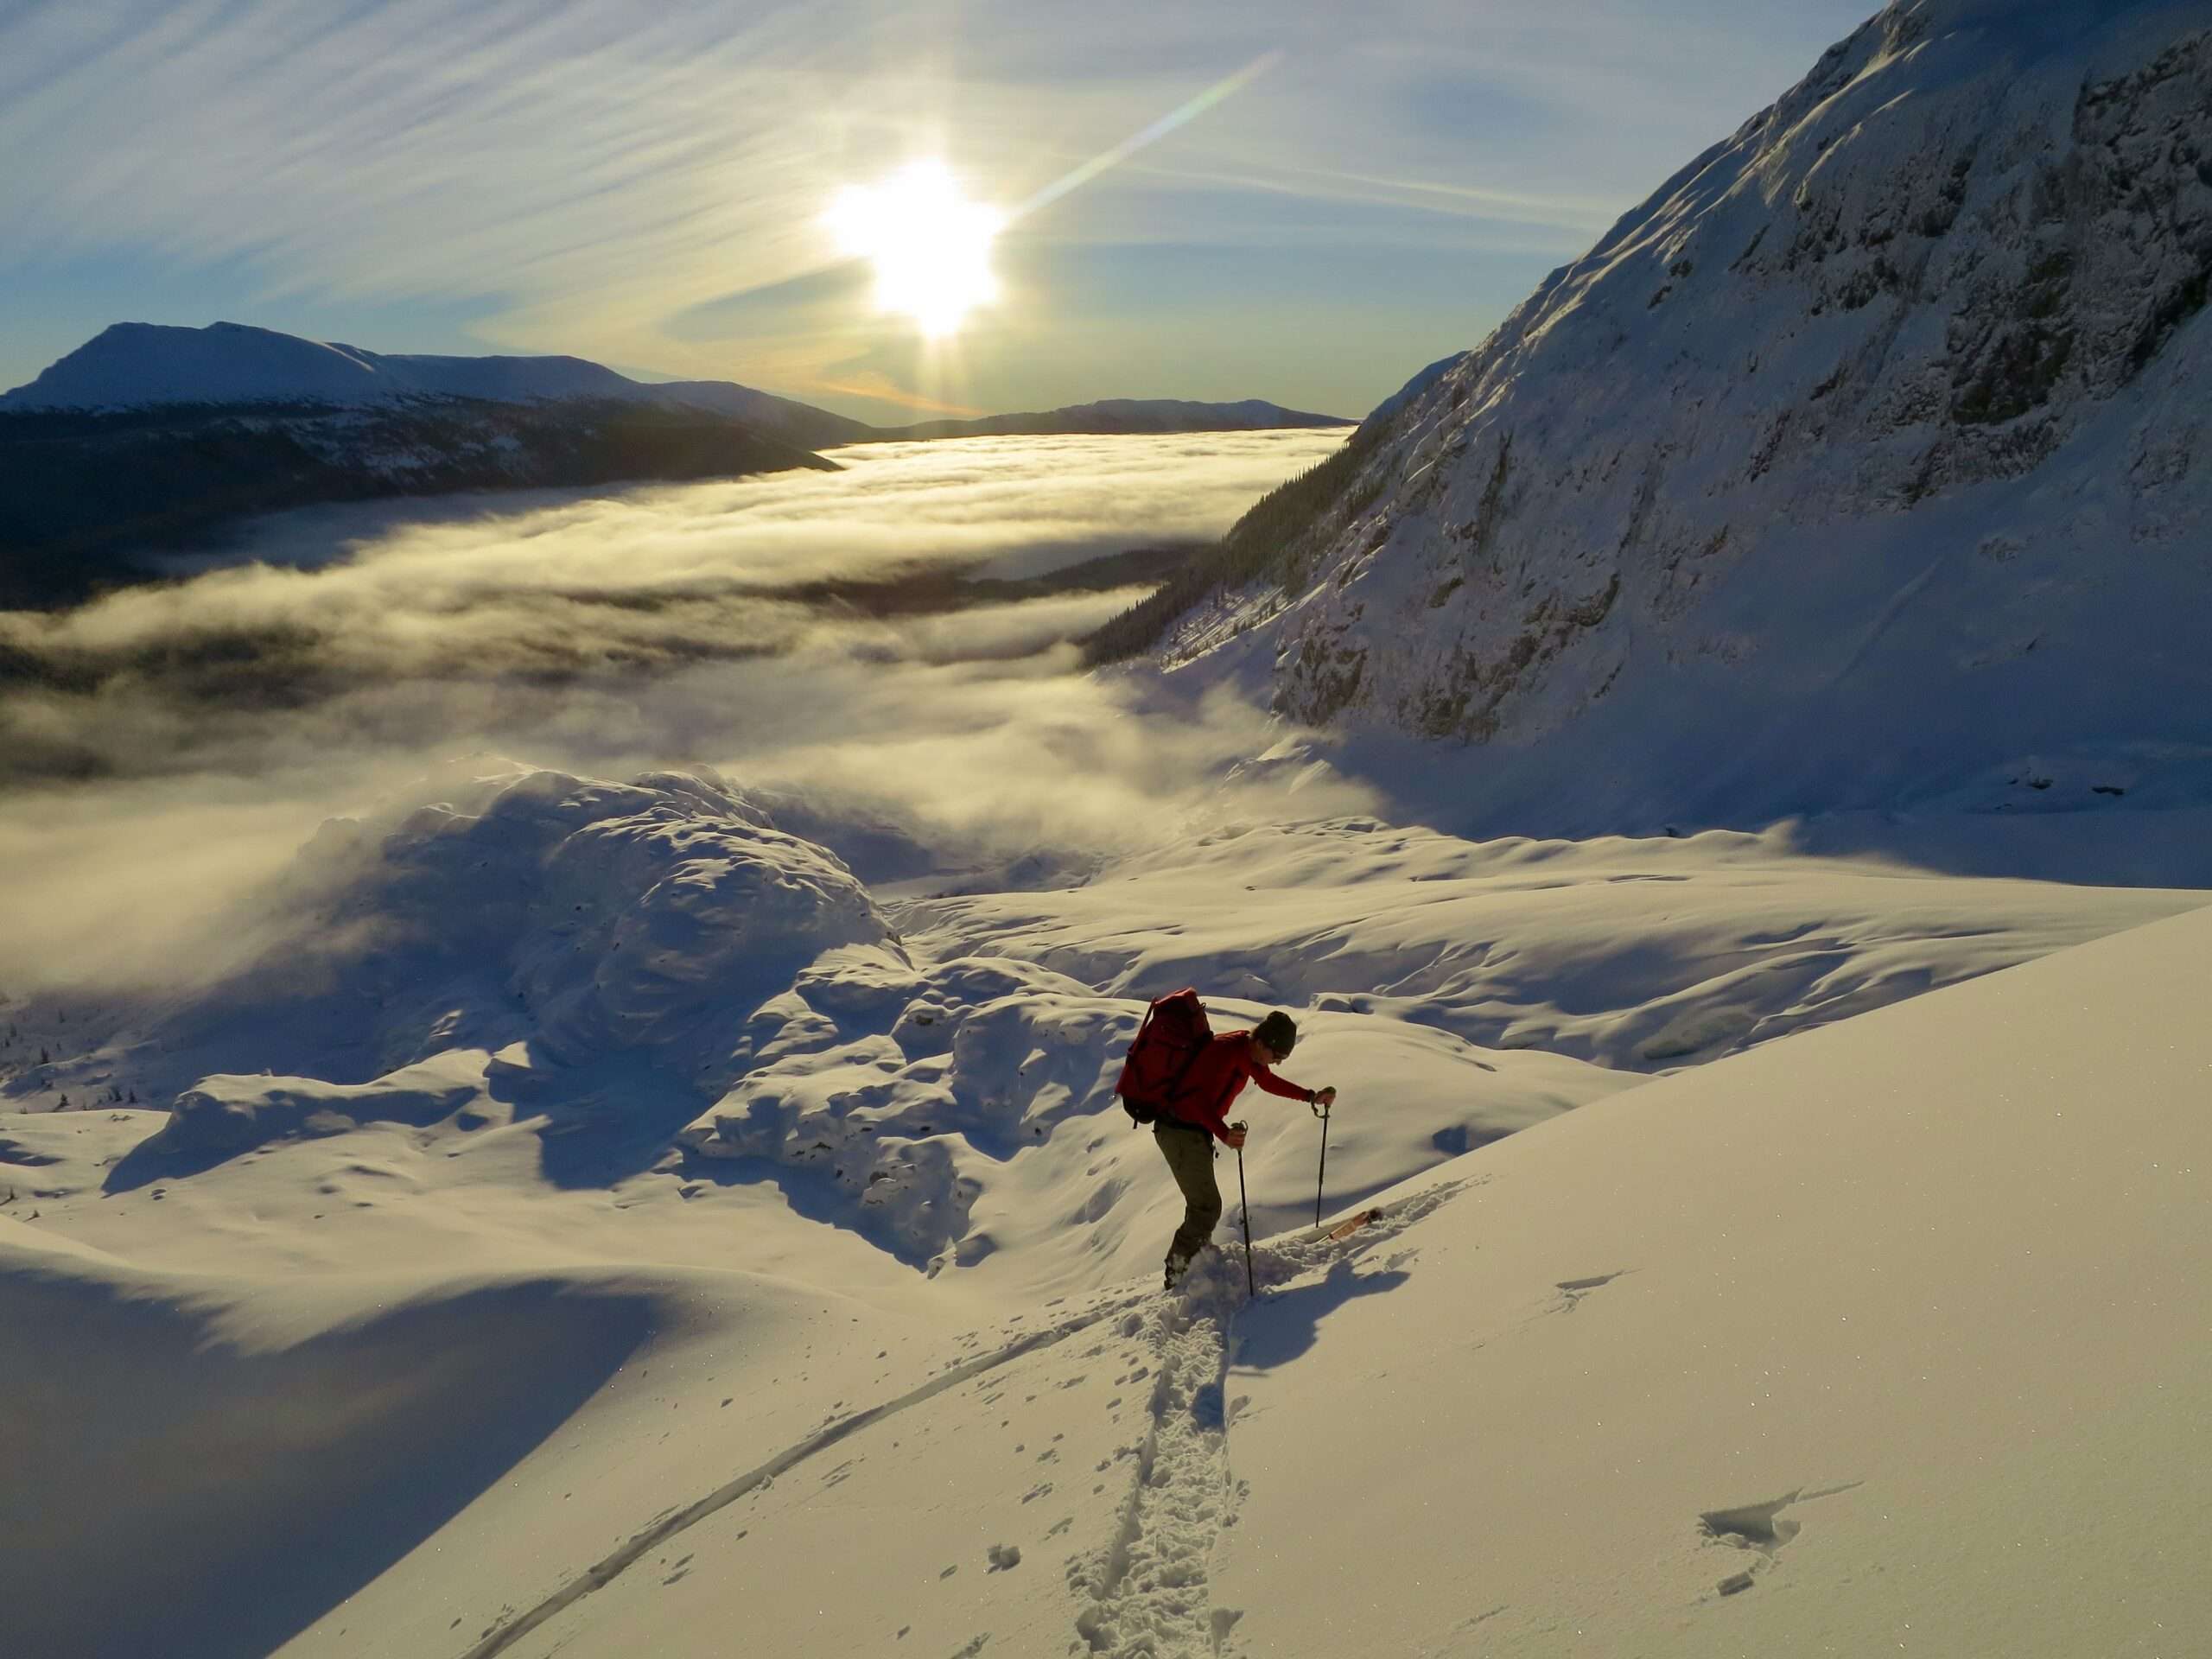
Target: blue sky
(559, 175)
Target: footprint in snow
(1207, 1410)
(1761, 1527)
(1572, 1290)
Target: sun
(929, 244)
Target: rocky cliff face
(1900, 384)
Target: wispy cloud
(590, 172)
(880, 389)
(598, 170)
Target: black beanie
(1280, 1032)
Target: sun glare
(929, 244)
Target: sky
(1300, 200)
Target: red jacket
(1218, 1076)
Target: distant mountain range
(150, 435)
(137, 366)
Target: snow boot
(1178, 1267)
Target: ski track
(611, 1567)
(1146, 1592)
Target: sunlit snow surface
(672, 1189)
(599, 1211)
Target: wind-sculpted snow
(604, 942)
(1851, 465)
(598, 964)
(1632, 954)
(650, 976)
(940, 1101)
(220, 1114)
(894, 1083)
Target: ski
(1351, 1223)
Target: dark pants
(1189, 1153)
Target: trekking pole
(1244, 1205)
(1322, 1112)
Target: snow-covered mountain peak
(133, 363)
(130, 364)
(1845, 466)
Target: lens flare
(929, 244)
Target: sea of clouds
(165, 750)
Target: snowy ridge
(137, 366)
(1840, 473)
(130, 364)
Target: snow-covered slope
(1865, 464)
(1880, 1339)
(653, 974)
(1832, 1342)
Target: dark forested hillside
(83, 494)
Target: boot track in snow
(606, 1571)
(1146, 1589)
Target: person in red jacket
(1197, 1116)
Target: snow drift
(563, 925)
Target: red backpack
(1173, 1033)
